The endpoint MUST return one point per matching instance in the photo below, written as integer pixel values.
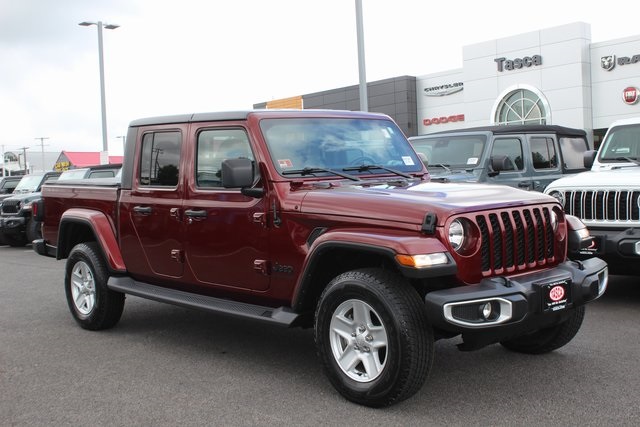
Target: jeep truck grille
(512, 241)
(10, 206)
(596, 207)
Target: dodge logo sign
(630, 95)
(608, 62)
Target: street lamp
(104, 156)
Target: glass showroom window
(521, 107)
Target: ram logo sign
(608, 62)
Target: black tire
(92, 304)
(404, 352)
(15, 240)
(33, 230)
(3, 241)
(548, 339)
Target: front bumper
(12, 224)
(620, 248)
(518, 304)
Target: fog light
(479, 313)
(486, 310)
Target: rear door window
(543, 153)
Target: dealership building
(551, 76)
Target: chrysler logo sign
(444, 90)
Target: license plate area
(556, 295)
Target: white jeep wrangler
(607, 198)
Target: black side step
(280, 316)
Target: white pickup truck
(607, 198)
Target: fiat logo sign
(556, 293)
(630, 95)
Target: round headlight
(559, 196)
(456, 234)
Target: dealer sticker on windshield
(555, 295)
(408, 160)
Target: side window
(543, 153)
(215, 146)
(160, 159)
(102, 174)
(573, 152)
(511, 149)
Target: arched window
(10, 157)
(521, 107)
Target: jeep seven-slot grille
(603, 205)
(10, 206)
(515, 239)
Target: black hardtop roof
(243, 114)
(506, 130)
(98, 167)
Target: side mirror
(501, 163)
(588, 157)
(239, 173)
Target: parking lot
(165, 365)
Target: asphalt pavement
(168, 366)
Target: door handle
(144, 210)
(195, 215)
(525, 184)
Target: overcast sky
(172, 57)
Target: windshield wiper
(440, 165)
(633, 160)
(364, 168)
(311, 171)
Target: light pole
(364, 101)
(104, 156)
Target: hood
(623, 177)
(410, 204)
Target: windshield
(28, 184)
(621, 145)
(462, 151)
(313, 144)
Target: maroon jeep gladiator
(322, 219)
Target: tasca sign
(505, 64)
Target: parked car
(607, 198)
(8, 184)
(322, 219)
(527, 156)
(16, 225)
(17, 219)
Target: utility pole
(24, 155)
(42, 138)
(3, 162)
